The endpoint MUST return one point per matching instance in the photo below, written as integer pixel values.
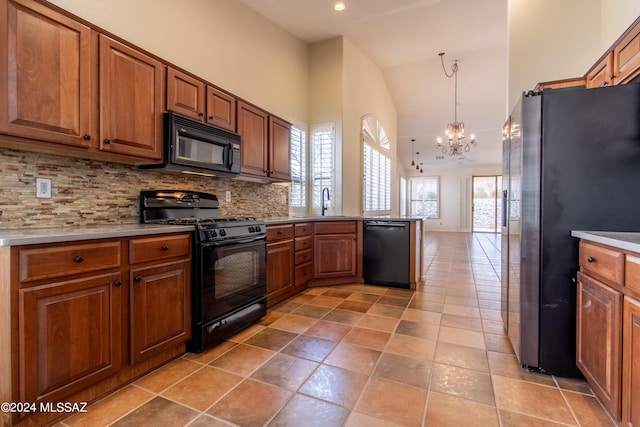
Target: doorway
(486, 207)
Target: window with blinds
(298, 197)
(376, 168)
(322, 163)
(425, 197)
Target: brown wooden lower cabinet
(608, 328)
(631, 363)
(90, 319)
(70, 336)
(160, 308)
(599, 308)
(337, 248)
(280, 262)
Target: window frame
(412, 199)
(299, 204)
(376, 190)
(315, 190)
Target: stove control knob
(223, 232)
(251, 229)
(213, 233)
(258, 228)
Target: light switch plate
(43, 188)
(227, 196)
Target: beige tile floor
(357, 355)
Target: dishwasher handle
(373, 225)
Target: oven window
(235, 272)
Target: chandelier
(456, 138)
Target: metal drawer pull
(165, 248)
(117, 282)
(78, 259)
(591, 259)
(137, 278)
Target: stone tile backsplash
(87, 192)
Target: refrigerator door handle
(505, 215)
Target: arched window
(376, 167)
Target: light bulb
(339, 6)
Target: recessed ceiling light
(339, 6)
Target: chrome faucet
(324, 205)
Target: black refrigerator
(571, 161)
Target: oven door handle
(237, 241)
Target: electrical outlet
(227, 196)
(43, 188)
(283, 199)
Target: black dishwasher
(385, 253)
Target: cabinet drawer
(158, 248)
(303, 256)
(632, 274)
(56, 261)
(303, 243)
(604, 263)
(335, 227)
(279, 232)
(303, 229)
(303, 273)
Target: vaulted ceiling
(404, 37)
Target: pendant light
(413, 147)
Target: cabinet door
(221, 109)
(335, 255)
(131, 101)
(631, 364)
(601, 74)
(253, 127)
(70, 336)
(279, 271)
(599, 336)
(626, 55)
(279, 149)
(185, 95)
(48, 61)
(160, 308)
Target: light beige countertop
(629, 241)
(30, 236)
(303, 218)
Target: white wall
(550, 40)
(325, 102)
(365, 92)
(222, 41)
(553, 40)
(617, 15)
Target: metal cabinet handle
(591, 259)
(165, 248)
(107, 141)
(78, 259)
(137, 278)
(117, 282)
(87, 137)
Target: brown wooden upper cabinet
(67, 84)
(193, 98)
(601, 74)
(48, 61)
(131, 94)
(265, 144)
(279, 149)
(626, 55)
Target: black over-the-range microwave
(193, 147)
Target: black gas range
(229, 262)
